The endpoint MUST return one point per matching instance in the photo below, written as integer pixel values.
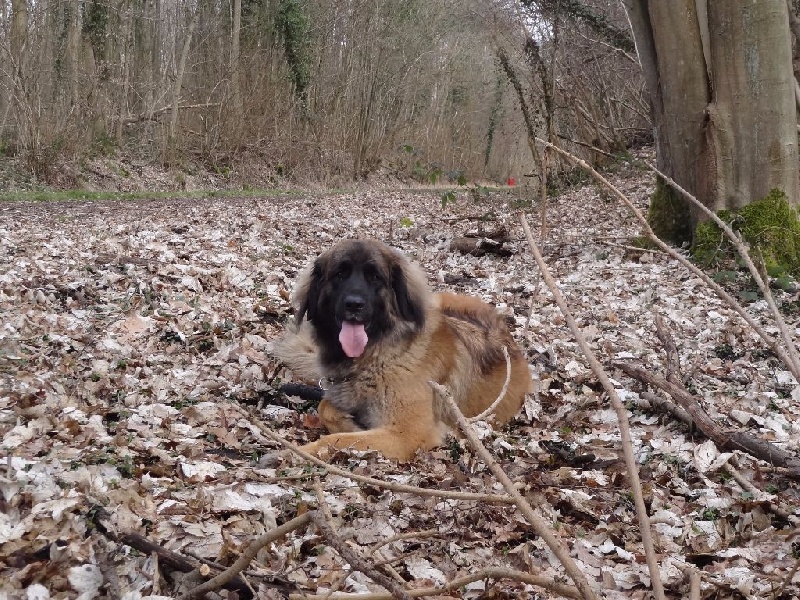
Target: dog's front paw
(318, 449)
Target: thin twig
(759, 495)
(673, 373)
(379, 548)
(492, 573)
(387, 485)
(649, 400)
(771, 343)
(788, 579)
(760, 279)
(634, 248)
(156, 588)
(354, 560)
(541, 528)
(694, 584)
(619, 408)
(248, 555)
(503, 391)
(410, 535)
(337, 584)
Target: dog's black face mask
(353, 300)
(357, 302)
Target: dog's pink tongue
(353, 339)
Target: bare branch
(760, 279)
(248, 555)
(771, 343)
(539, 526)
(502, 394)
(619, 408)
(491, 573)
(355, 561)
(386, 485)
(725, 440)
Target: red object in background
(512, 181)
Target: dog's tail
(297, 350)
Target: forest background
(262, 92)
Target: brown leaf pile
(132, 355)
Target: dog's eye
(372, 275)
(342, 272)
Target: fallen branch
(619, 408)
(492, 573)
(248, 555)
(177, 562)
(541, 528)
(770, 342)
(386, 485)
(730, 440)
(479, 246)
(650, 400)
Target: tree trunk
(236, 89)
(73, 53)
(721, 85)
(176, 90)
(19, 33)
(753, 120)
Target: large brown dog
(369, 326)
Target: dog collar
(333, 381)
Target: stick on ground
(725, 440)
(541, 528)
(248, 555)
(619, 408)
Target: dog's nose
(354, 304)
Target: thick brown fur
(381, 399)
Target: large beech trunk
(722, 88)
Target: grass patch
(64, 195)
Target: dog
(368, 326)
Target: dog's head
(358, 293)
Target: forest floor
(135, 389)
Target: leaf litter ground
(133, 367)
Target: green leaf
(406, 222)
(448, 197)
(785, 282)
(724, 276)
(775, 270)
(462, 179)
(748, 295)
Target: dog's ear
(410, 303)
(307, 294)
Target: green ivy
(292, 24)
(95, 26)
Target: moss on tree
(669, 215)
(770, 226)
